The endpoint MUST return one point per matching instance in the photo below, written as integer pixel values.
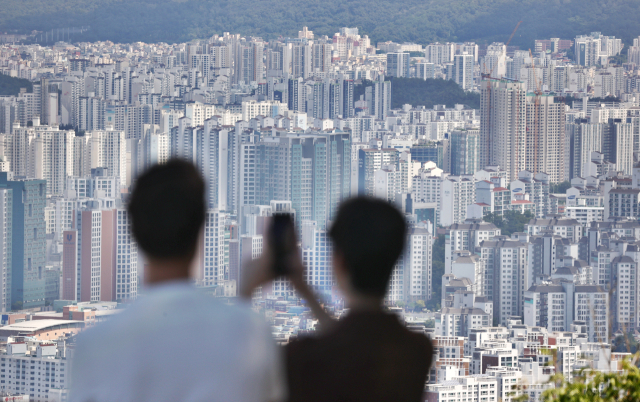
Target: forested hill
(11, 85)
(429, 92)
(420, 21)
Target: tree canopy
(593, 385)
(510, 222)
(560, 188)
(420, 21)
(419, 92)
(12, 85)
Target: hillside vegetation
(421, 21)
(419, 92)
(11, 85)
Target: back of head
(369, 234)
(167, 210)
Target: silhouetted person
(369, 355)
(175, 343)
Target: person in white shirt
(175, 343)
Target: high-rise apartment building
(28, 243)
(464, 151)
(212, 266)
(301, 60)
(6, 237)
(43, 152)
(458, 192)
(251, 66)
(463, 70)
(197, 112)
(583, 138)
(440, 53)
(100, 256)
(505, 265)
(556, 306)
(317, 252)
(296, 95)
(418, 260)
(398, 64)
(251, 109)
(378, 98)
(503, 125)
(322, 57)
(617, 144)
(545, 137)
(425, 70)
(370, 161)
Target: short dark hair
(369, 234)
(167, 209)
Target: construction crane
(536, 114)
(507, 44)
(488, 78)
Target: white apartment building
(418, 259)
(6, 233)
(458, 192)
(94, 186)
(568, 228)
(463, 70)
(503, 126)
(545, 140)
(427, 184)
(440, 53)
(212, 265)
(251, 109)
(505, 263)
(387, 183)
(106, 149)
(155, 149)
(584, 215)
(43, 152)
(199, 112)
(317, 251)
(467, 236)
(536, 186)
(625, 298)
(556, 306)
(36, 368)
(479, 387)
(126, 287)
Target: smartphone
(282, 241)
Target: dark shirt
(368, 356)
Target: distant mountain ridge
(420, 21)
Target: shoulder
(420, 340)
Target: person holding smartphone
(175, 343)
(368, 355)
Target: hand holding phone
(282, 242)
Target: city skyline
(523, 214)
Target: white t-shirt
(176, 344)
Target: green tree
(510, 222)
(429, 92)
(483, 21)
(591, 385)
(560, 188)
(12, 85)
